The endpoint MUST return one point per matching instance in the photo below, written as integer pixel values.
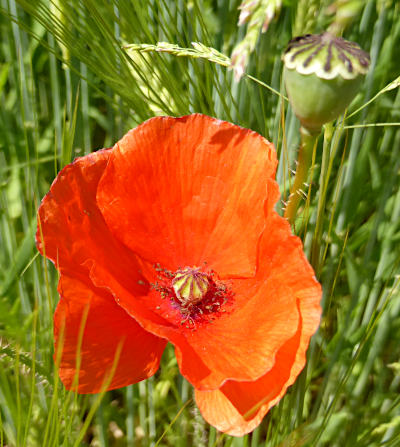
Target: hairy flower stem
(308, 142)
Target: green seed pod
(190, 286)
(322, 76)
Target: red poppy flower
(171, 235)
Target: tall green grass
(69, 85)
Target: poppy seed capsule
(322, 76)
(190, 286)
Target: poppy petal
(182, 191)
(242, 343)
(265, 313)
(72, 231)
(69, 209)
(238, 407)
(89, 322)
(73, 234)
(140, 308)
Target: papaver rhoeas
(171, 235)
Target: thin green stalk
(142, 405)
(33, 374)
(99, 398)
(56, 102)
(18, 393)
(307, 145)
(101, 425)
(172, 422)
(1, 432)
(130, 416)
(150, 405)
(323, 182)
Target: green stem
(326, 167)
(307, 143)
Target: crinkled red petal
(73, 234)
(97, 344)
(239, 407)
(242, 343)
(183, 191)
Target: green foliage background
(69, 86)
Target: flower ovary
(190, 285)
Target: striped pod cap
(322, 76)
(190, 285)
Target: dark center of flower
(198, 295)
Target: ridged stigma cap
(322, 76)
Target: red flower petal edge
(171, 235)
(72, 233)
